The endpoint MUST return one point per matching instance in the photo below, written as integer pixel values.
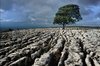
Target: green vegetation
(67, 14)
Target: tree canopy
(67, 14)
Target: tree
(67, 14)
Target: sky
(42, 12)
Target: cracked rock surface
(50, 47)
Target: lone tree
(67, 14)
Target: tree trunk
(63, 25)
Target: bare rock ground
(50, 47)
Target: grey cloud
(89, 2)
(41, 9)
(6, 4)
(85, 11)
(21, 2)
(85, 6)
(46, 9)
(98, 15)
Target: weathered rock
(3, 61)
(36, 54)
(44, 60)
(19, 62)
(63, 57)
(50, 47)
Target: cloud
(86, 11)
(98, 15)
(44, 10)
(5, 20)
(89, 7)
(89, 2)
(14, 15)
(98, 18)
(1, 10)
(6, 4)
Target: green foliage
(67, 14)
